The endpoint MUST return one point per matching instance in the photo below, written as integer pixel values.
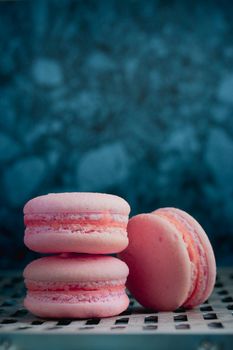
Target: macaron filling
(102, 218)
(197, 256)
(33, 285)
(82, 222)
(72, 292)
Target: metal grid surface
(207, 327)
(213, 317)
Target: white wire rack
(207, 327)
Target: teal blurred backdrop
(133, 98)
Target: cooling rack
(207, 327)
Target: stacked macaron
(77, 281)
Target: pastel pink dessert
(170, 259)
(76, 222)
(76, 286)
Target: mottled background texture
(133, 98)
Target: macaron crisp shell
(170, 259)
(76, 286)
(77, 222)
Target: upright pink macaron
(76, 286)
(76, 222)
(170, 259)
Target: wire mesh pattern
(214, 316)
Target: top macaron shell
(79, 222)
(76, 267)
(71, 202)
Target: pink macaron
(76, 286)
(77, 222)
(170, 259)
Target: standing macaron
(170, 259)
(76, 222)
(76, 286)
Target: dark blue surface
(127, 97)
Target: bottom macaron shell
(94, 243)
(79, 310)
(160, 269)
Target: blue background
(127, 97)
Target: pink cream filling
(72, 292)
(82, 222)
(33, 285)
(75, 229)
(196, 254)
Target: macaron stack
(170, 258)
(77, 281)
